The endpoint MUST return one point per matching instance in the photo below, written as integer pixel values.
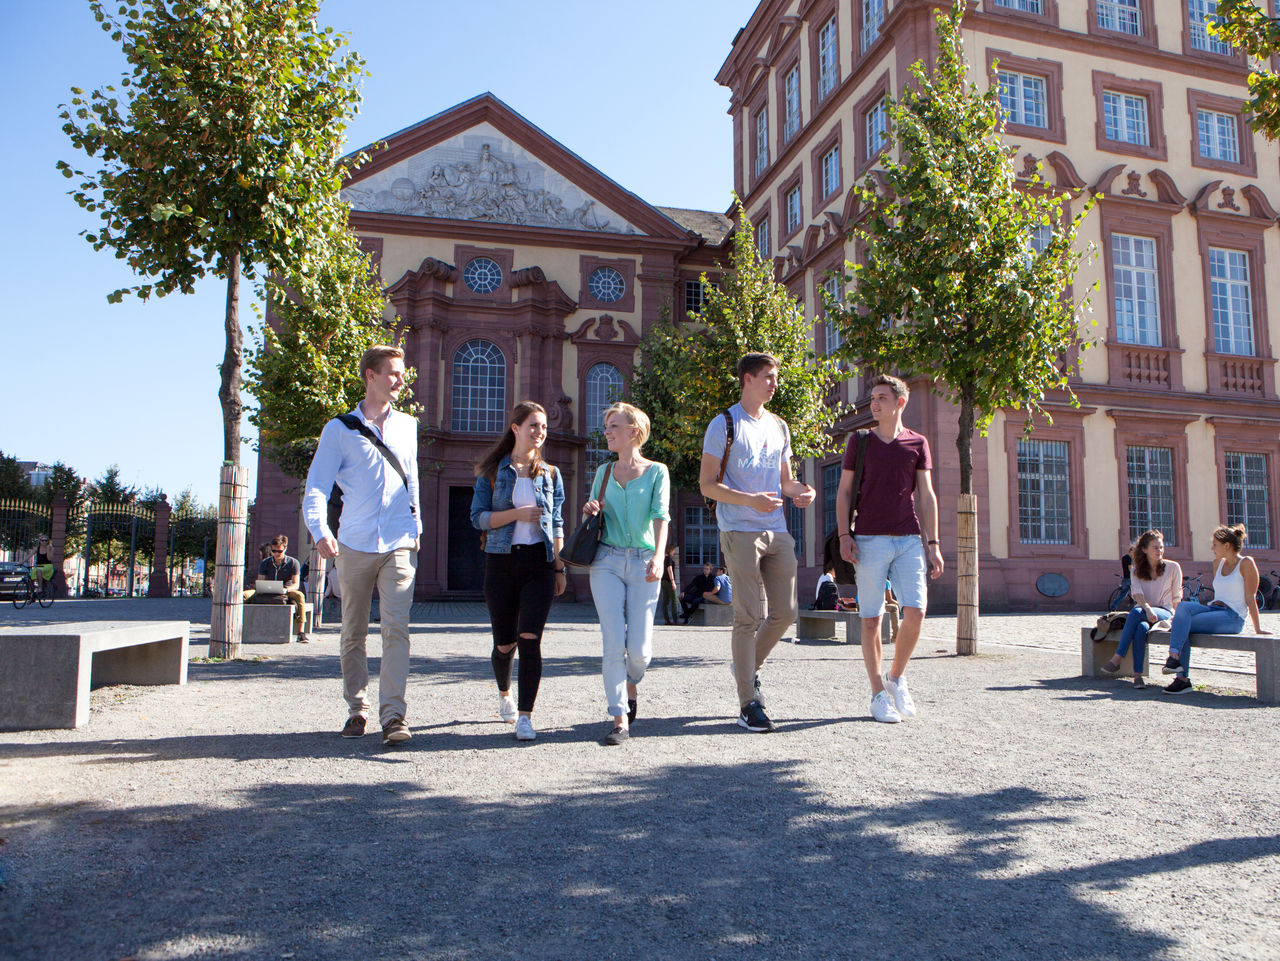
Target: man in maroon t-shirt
(888, 542)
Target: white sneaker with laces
(524, 729)
(507, 708)
(882, 709)
(902, 699)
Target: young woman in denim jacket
(517, 502)
(626, 573)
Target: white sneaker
(902, 699)
(882, 709)
(524, 729)
(507, 708)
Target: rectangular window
(1041, 235)
(795, 209)
(1218, 136)
(1151, 492)
(1024, 99)
(1232, 299)
(1125, 118)
(1248, 496)
(795, 526)
(791, 106)
(1026, 6)
(1199, 12)
(830, 486)
(1134, 288)
(1044, 492)
(877, 121)
(872, 21)
(762, 140)
(764, 244)
(831, 171)
(701, 538)
(834, 290)
(694, 296)
(1121, 16)
(828, 58)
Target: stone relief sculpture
(488, 189)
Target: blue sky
(629, 88)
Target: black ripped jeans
(519, 588)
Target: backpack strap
(859, 462)
(352, 422)
(728, 442)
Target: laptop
(268, 587)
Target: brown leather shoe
(354, 726)
(395, 731)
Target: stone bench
(46, 672)
(713, 615)
(271, 623)
(821, 626)
(1265, 648)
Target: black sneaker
(395, 731)
(617, 736)
(1179, 685)
(1171, 665)
(354, 726)
(631, 710)
(754, 719)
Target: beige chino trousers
(762, 570)
(394, 573)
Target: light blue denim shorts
(899, 560)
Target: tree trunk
(233, 487)
(966, 535)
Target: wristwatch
(559, 570)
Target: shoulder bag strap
(352, 422)
(728, 442)
(859, 462)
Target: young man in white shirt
(377, 538)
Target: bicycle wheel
(45, 596)
(1116, 598)
(22, 597)
(1261, 599)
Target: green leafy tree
(112, 507)
(951, 285)
(64, 480)
(13, 479)
(688, 373)
(220, 154)
(1244, 24)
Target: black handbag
(580, 547)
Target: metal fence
(192, 541)
(118, 551)
(21, 522)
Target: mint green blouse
(629, 512)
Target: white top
(824, 579)
(1229, 588)
(375, 504)
(523, 496)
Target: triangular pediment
(482, 162)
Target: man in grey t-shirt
(758, 551)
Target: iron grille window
(1124, 118)
(1249, 496)
(877, 121)
(831, 171)
(1150, 471)
(603, 387)
(792, 105)
(1026, 6)
(701, 538)
(828, 58)
(1121, 16)
(795, 526)
(479, 388)
(1044, 492)
(1232, 299)
(872, 21)
(1219, 136)
(1023, 99)
(1199, 12)
(1135, 290)
(830, 485)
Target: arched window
(479, 388)
(603, 387)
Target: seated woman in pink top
(1156, 588)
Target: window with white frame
(1135, 290)
(764, 244)
(701, 538)
(828, 58)
(694, 296)
(1232, 299)
(479, 389)
(1124, 118)
(830, 487)
(795, 209)
(1249, 496)
(1199, 13)
(603, 387)
(1040, 237)
(877, 125)
(1219, 135)
(831, 171)
(791, 103)
(1024, 98)
(872, 21)
(835, 290)
(1150, 477)
(762, 140)
(1122, 16)
(1044, 492)
(1026, 6)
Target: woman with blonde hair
(635, 493)
(517, 503)
(1156, 588)
(1235, 588)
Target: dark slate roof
(707, 224)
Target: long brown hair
(1141, 563)
(488, 465)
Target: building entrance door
(466, 560)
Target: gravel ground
(1026, 812)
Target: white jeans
(625, 603)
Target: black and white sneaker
(1171, 665)
(1179, 685)
(754, 719)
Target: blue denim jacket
(548, 488)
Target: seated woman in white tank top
(1235, 587)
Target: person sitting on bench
(692, 597)
(279, 566)
(1156, 588)
(721, 591)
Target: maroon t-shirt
(885, 505)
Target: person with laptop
(280, 574)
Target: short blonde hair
(635, 418)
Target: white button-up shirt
(376, 515)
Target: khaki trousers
(762, 569)
(394, 573)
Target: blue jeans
(1136, 627)
(894, 558)
(625, 603)
(1193, 617)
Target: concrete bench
(821, 626)
(46, 672)
(713, 615)
(271, 623)
(1265, 648)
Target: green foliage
(688, 374)
(13, 479)
(64, 480)
(1243, 24)
(951, 286)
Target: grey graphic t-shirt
(755, 465)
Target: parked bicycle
(1193, 589)
(26, 593)
(1269, 591)
(1119, 599)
